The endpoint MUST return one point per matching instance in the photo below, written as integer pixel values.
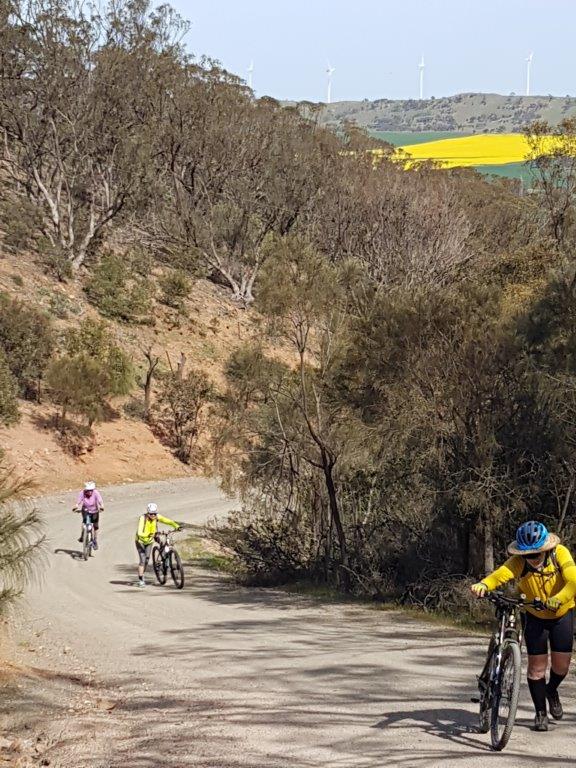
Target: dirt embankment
(125, 449)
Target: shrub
(27, 340)
(93, 338)
(181, 402)
(54, 260)
(21, 538)
(21, 222)
(62, 307)
(79, 385)
(8, 391)
(116, 294)
(141, 262)
(176, 287)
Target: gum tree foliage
(446, 419)
(295, 433)
(233, 173)
(74, 123)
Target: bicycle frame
(510, 629)
(87, 520)
(165, 558)
(88, 539)
(499, 681)
(164, 539)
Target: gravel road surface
(219, 676)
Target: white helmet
(152, 509)
(90, 486)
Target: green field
(509, 171)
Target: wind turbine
(422, 67)
(250, 70)
(528, 68)
(329, 71)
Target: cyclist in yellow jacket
(543, 569)
(145, 535)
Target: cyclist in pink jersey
(90, 503)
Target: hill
(465, 113)
(205, 330)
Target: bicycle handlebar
(499, 598)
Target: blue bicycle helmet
(531, 535)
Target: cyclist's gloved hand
(479, 589)
(553, 604)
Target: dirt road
(218, 676)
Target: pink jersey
(91, 503)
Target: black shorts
(539, 633)
(91, 517)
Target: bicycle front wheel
(505, 701)
(158, 565)
(86, 543)
(176, 569)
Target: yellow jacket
(147, 528)
(550, 581)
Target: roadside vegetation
(410, 397)
(21, 537)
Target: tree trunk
(337, 520)
(488, 530)
(148, 393)
(477, 547)
(152, 364)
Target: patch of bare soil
(47, 717)
(123, 451)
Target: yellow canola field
(481, 149)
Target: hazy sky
(375, 45)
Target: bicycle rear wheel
(176, 569)
(505, 701)
(86, 543)
(159, 565)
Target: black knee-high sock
(538, 693)
(554, 682)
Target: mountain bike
(165, 557)
(499, 681)
(87, 533)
